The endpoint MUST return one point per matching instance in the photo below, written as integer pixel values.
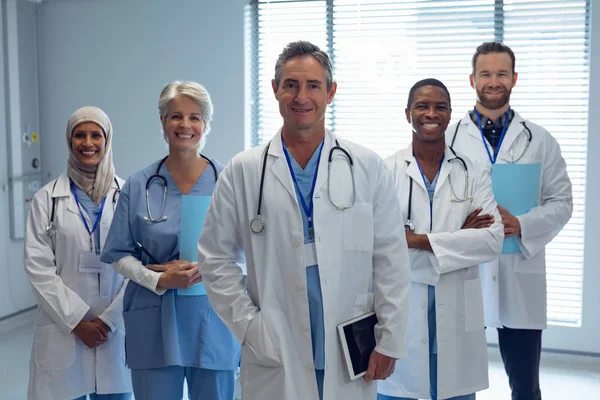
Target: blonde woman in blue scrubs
(170, 336)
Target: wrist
(78, 327)
(419, 241)
(161, 282)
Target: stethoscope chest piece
(409, 226)
(257, 225)
(51, 230)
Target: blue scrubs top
(304, 180)
(169, 329)
(91, 209)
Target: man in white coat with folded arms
(316, 218)
(452, 224)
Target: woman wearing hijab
(78, 348)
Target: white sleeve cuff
(132, 268)
(108, 322)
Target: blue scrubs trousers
(432, 355)
(114, 396)
(320, 377)
(167, 383)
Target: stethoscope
(257, 225)
(408, 225)
(51, 229)
(493, 159)
(163, 181)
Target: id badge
(89, 263)
(310, 254)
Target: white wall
(19, 110)
(118, 55)
(115, 54)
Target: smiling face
(493, 80)
(429, 113)
(88, 143)
(302, 94)
(183, 125)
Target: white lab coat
(453, 268)
(61, 366)
(514, 286)
(363, 263)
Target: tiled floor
(563, 376)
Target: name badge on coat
(89, 263)
(310, 254)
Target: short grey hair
(194, 91)
(304, 48)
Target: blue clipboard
(193, 214)
(516, 188)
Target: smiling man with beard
(514, 285)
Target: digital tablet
(357, 337)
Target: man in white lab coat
(452, 225)
(521, 155)
(322, 245)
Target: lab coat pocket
(260, 346)
(459, 212)
(363, 303)
(358, 228)
(473, 305)
(54, 349)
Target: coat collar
(412, 169)
(512, 132)
(63, 189)
(282, 172)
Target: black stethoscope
(257, 225)
(408, 225)
(163, 180)
(51, 229)
(514, 160)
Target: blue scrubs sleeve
(119, 241)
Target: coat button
(306, 329)
(424, 341)
(494, 278)
(297, 243)
(424, 304)
(300, 287)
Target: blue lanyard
(425, 180)
(495, 157)
(87, 228)
(308, 210)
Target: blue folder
(516, 188)
(193, 214)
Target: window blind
(380, 48)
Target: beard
(494, 104)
